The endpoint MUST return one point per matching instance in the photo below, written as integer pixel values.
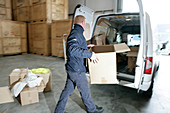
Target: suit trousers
(76, 79)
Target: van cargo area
(116, 29)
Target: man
(77, 52)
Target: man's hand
(94, 58)
(90, 45)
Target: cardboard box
(40, 38)
(46, 84)
(133, 51)
(5, 95)
(131, 63)
(49, 10)
(132, 56)
(105, 71)
(13, 35)
(58, 28)
(29, 96)
(16, 76)
(19, 74)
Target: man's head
(80, 20)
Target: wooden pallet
(42, 54)
(40, 21)
(3, 55)
(24, 53)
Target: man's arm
(73, 49)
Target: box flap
(17, 75)
(5, 95)
(120, 48)
(44, 82)
(103, 49)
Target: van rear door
(148, 67)
(143, 50)
(88, 14)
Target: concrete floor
(114, 98)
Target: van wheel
(147, 93)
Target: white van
(135, 69)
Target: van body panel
(88, 14)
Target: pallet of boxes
(39, 14)
(5, 10)
(13, 34)
(26, 84)
(60, 29)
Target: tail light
(148, 65)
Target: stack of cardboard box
(13, 35)
(40, 14)
(40, 38)
(21, 10)
(47, 11)
(5, 10)
(40, 10)
(27, 95)
(60, 29)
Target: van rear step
(125, 77)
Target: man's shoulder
(74, 33)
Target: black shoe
(98, 110)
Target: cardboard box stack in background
(13, 37)
(132, 56)
(40, 38)
(49, 10)
(40, 14)
(5, 10)
(30, 95)
(105, 71)
(21, 10)
(58, 29)
(40, 10)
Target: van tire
(147, 93)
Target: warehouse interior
(33, 35)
